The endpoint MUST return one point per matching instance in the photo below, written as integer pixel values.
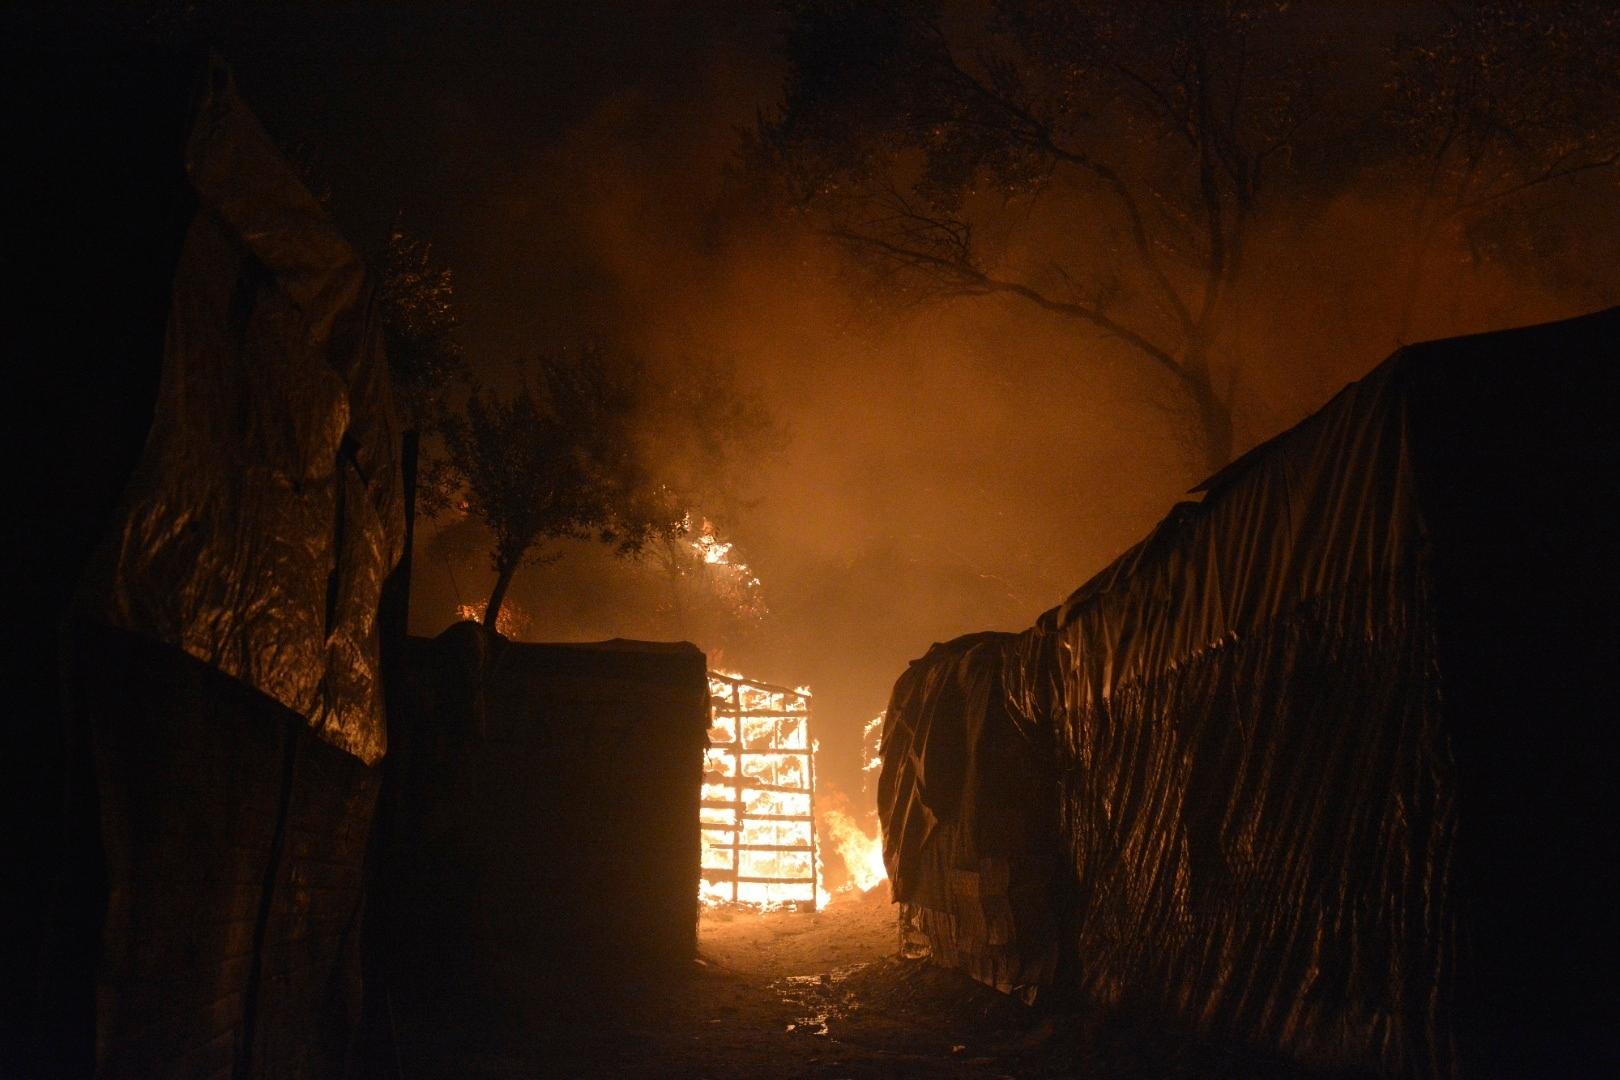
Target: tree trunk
(1214, 414)
(503, 579)
(1416, 266)
(1215, 420)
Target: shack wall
(540, 842)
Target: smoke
(951, 469)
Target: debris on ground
(795, 995)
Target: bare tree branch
(970, 280)
(1039, 135)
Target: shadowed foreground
(824, 995)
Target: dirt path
(786, 994)
(778, 944)
(791, 995)
(781, 994)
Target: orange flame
(862, 854)
(510, 622)
(731, 579)
(871, 747)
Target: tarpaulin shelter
(210, 467)
(538, 842)
(1316, 765)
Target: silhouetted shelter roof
(1311, 764)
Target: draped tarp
(1284, 725)
(209, 504)
(266, 509)
(971, 807)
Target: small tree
(594, 445)
(416, 301)
(553, 461)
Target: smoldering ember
(831, 538)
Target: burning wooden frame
(757, 814)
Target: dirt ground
(825, 995)
(784, 994)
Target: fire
(710, 549)
(871, 747)
(733, 579)
(510, 622)
(707, 572)
(862, 854)
(757, 813)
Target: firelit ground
(791, 995)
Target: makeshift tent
(1318, 759)
(213, 462)
(538, 843)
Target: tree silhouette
(420, 321)
(1497, 102)
(1103, 162)
(596, 445)
(1111, 164)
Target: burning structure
(757, 816)
(1312, 765)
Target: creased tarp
(265, 513)
(973, 807)
(1273, 720)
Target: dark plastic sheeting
(265, 512)
(979, 797)
(232, 845)
(190, 787)
(1273, 740)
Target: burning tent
(215, 474)
(1314, 765)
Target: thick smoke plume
(950, 468)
